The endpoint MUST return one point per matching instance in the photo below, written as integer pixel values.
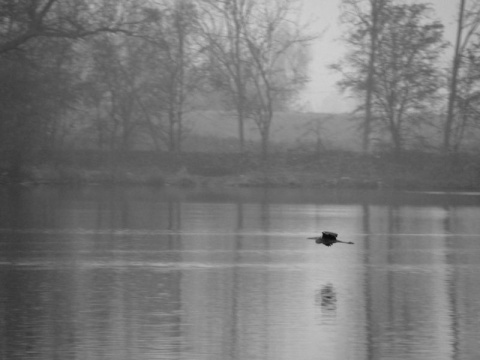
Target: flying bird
(328, 239)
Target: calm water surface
(138, 273)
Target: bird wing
(345, 242)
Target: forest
(122, 91)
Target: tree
(366, 20)
(179, 76)
(407, 69)
(406, 76)
(277, 60)
(454, 75)
(228, 55)
(111, 88)
(467, 95)
(37, 54)
(144, 83)
(467, 104)
(463, 86)
(168, 73)
(260, 50)
(34, 94)
(23, 21)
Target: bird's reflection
(326, 300)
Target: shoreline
(255, 179)
(334, 170)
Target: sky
(322, 94)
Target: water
(138, 273)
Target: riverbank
(414, 171)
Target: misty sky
(322, 94)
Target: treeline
(117, 73)
(395, 67)
(126, 71)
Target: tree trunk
(453, 85)
(171, 130)
(265, 144)
(239, 78)
(241, 131)
(370, 79)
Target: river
(143, 273)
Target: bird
(328, 238)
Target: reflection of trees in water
(326, 300)
(90, 294)
(367, 286)
(396, 298)
(462, 257)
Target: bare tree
(115, 80)
(463, 77)
(222, 30)
(467, 104)
(35, 93)
(148, 78)
(453, 85)
(38, 57)
(466, 107)
(22, 21)
(407, 69)
(406, 77)
(365, 19)
(179, 62)
(273, 49)
(258, 55)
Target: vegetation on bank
(87, 84)
(336, 169)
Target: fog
(89, 86)
(165, 165)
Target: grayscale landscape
(239, 179)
